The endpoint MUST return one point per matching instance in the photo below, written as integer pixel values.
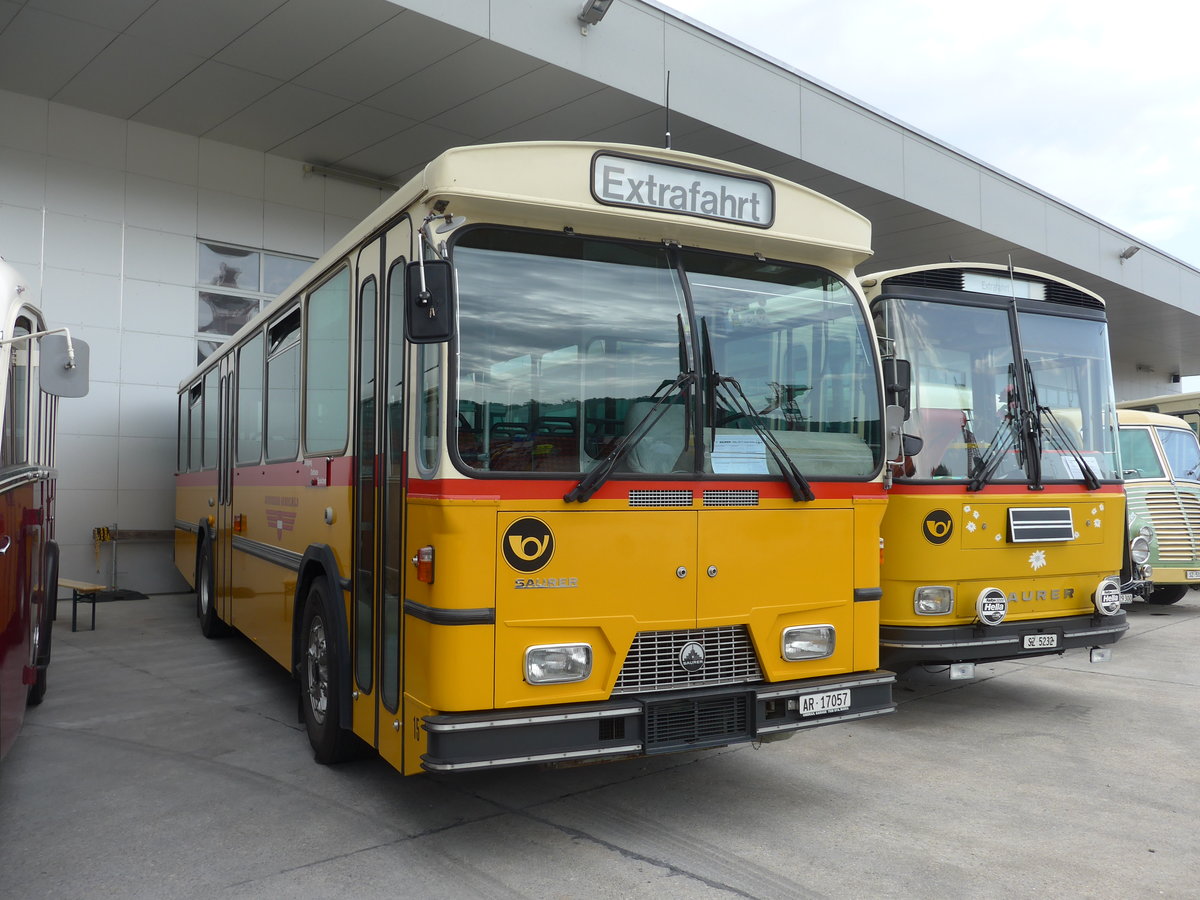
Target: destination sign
(650, 184)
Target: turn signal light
(423, 560)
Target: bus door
(365, 582)
(223, 549)
(392, 566)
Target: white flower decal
(971, 526)
(1037, 559)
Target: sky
(1094, 102)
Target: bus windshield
(1182, 452)
(971, 392)
(566, 343)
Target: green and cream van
(1160, 458)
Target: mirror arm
(37, 334)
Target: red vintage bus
(37, 366)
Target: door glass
(393, 533)
(364, 516)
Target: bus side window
(327, 366)
(283, 388)
(250, 402)
(211, 423)
(195, 426)
(15, 441)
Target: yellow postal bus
(567, 452)
(1005, 526)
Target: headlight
(991, 606)
(1108, 596)
(558, 663)
(808, 642)
(933, 600)
(1139, 550)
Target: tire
(211, 625)
(44, 627)
(1167, 594)
(320, 678)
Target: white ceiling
(379, 89)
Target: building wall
(102, 218)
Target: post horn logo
(528, 545)
(937, 527)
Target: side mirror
(893, 425)
(59, 374)
(429, 302)
(897, 383)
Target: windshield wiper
(594, 480)
(1058, 435)
(732, 389)
(987, 464)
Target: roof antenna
(668, 109)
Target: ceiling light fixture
(591, 14)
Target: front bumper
(904, 646)
(645, 724)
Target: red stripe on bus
(1007, 488)
(464, 489)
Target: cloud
(1091, 101)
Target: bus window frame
(236, 411)
(347, 303)
(290, 340)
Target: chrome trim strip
(288, 559)
(823, 687)
(825, 720)
(187, 526)
(514, 760)
(979, 643)
(534, 720)
(24, 476)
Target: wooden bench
(81, 592)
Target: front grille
(653, 660)
(1176, 518)
(660, 498)
(704, 722)
(731, 498)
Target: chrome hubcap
(317, 671)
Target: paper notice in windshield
(1075, 472)
(739, 455)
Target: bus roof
(1144, 417)
(548, 184)
(872, 283)
(1185, 401)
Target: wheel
(40, 644)
(320, 678)
(211, 625)
(1166, 594)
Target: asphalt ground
(164, 765)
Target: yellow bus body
(706, 563)
(947, 537)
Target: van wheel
(211, 625)
(320, 678)
(1167, 594)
